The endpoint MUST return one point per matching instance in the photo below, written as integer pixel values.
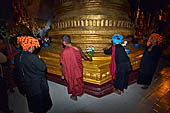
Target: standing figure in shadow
(3, 88)
(120, 65)
(150, 60)
(30, 76)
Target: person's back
(73, 54)
(30, 71)
(122, 59)
(30, 76)
(72, 67)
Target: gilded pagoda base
(95, 72)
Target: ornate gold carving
(102, 23)
(86, 23)
(106, 23)
(78, 23)
(98, 23)
(110, 23)
(89, 22)
(82, 23)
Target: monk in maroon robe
(72, 67)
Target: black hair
(67, 39)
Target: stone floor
(155, 99)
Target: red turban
(155, 36)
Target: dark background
(6, 10)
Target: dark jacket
(121, 58)
(30, 74)
(150, 60)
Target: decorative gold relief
(72, 23)
(98, 23)
(68, 23)
(102, 23)
(90, 22)
(114, 23)
(110, 23)
(86, 23)
(106, 22)
(75, 23)
(82, 23)
(78, 22)
(94, 22)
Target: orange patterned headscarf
(155, 36)
(27, 42)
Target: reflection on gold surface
(90, 22)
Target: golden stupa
(90, 22)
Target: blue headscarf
(117, 39)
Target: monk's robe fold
(72, 70)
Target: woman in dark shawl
(30, 76)
(120, 65)
(150, 60)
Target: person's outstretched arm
(83, 55)
(108, 51)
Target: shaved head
(66, 39)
